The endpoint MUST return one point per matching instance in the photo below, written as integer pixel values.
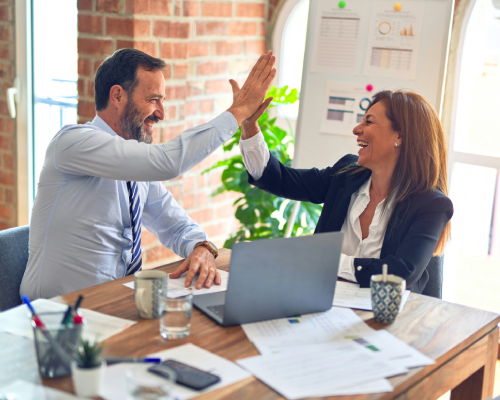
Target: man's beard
(132, 124)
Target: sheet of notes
(337, 35)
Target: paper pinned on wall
(394, 39)
(337, 36)
(345, 105)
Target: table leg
(479, 385)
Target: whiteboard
(316, 149)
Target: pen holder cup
(55, 345)
(386, 297)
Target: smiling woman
(390, 202)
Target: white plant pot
(87, 381)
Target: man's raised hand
(248, 99)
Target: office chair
(434, 287)
(13, 259)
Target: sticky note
(341, 4)
(397, 6)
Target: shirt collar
(99, 122)
(365, 187)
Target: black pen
(77, 304)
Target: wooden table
(462, 340)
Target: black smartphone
(188, 376)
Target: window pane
(292, 50)
(477, 123)
(472, 259)
(55, 72)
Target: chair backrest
(434, 287)
(14, 253)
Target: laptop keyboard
(217, 310)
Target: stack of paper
(350, 295)
(337, 346)
(98, 326)
(176, 287)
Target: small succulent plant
(88, 356)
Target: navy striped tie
(135, 216)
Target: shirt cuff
(253, 142)
(225, 124)
(346, 268)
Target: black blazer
(412, 232)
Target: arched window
(289, 41)
(474, 253)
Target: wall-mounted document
(337, 35)
(393, 40)
(344, 107)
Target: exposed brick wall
(204, 43)
(8, 200)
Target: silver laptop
(276, 278)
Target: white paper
(17, 360)
(23, 390)
(337, 33)
(98, 326)
(344, 107)
(382, 344)
(176, 287)
(350, 295)
(319, 370)
(334, 322)
(393, 40)
(114, 386)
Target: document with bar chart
(344, 107)
(337, 36)
(393, 40)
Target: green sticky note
(341, 4)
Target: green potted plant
(261, 214)
(88, 368)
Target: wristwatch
(212, 248)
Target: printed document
(319, 370)
(334, 322)
(394, 39)
(176, 287)
(350, 295)
(344, 106)
(337, 37)
(98, 326)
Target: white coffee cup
(147, 287)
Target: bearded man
(102, 180)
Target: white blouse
(256, 156)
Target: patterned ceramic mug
(386, 297)
(147, 287)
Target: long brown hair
(422, 162)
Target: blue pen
(114, 360)
(27, 301)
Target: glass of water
(175, 317)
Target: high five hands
(248, 101)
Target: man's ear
(117, 97)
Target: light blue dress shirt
(80, 230)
